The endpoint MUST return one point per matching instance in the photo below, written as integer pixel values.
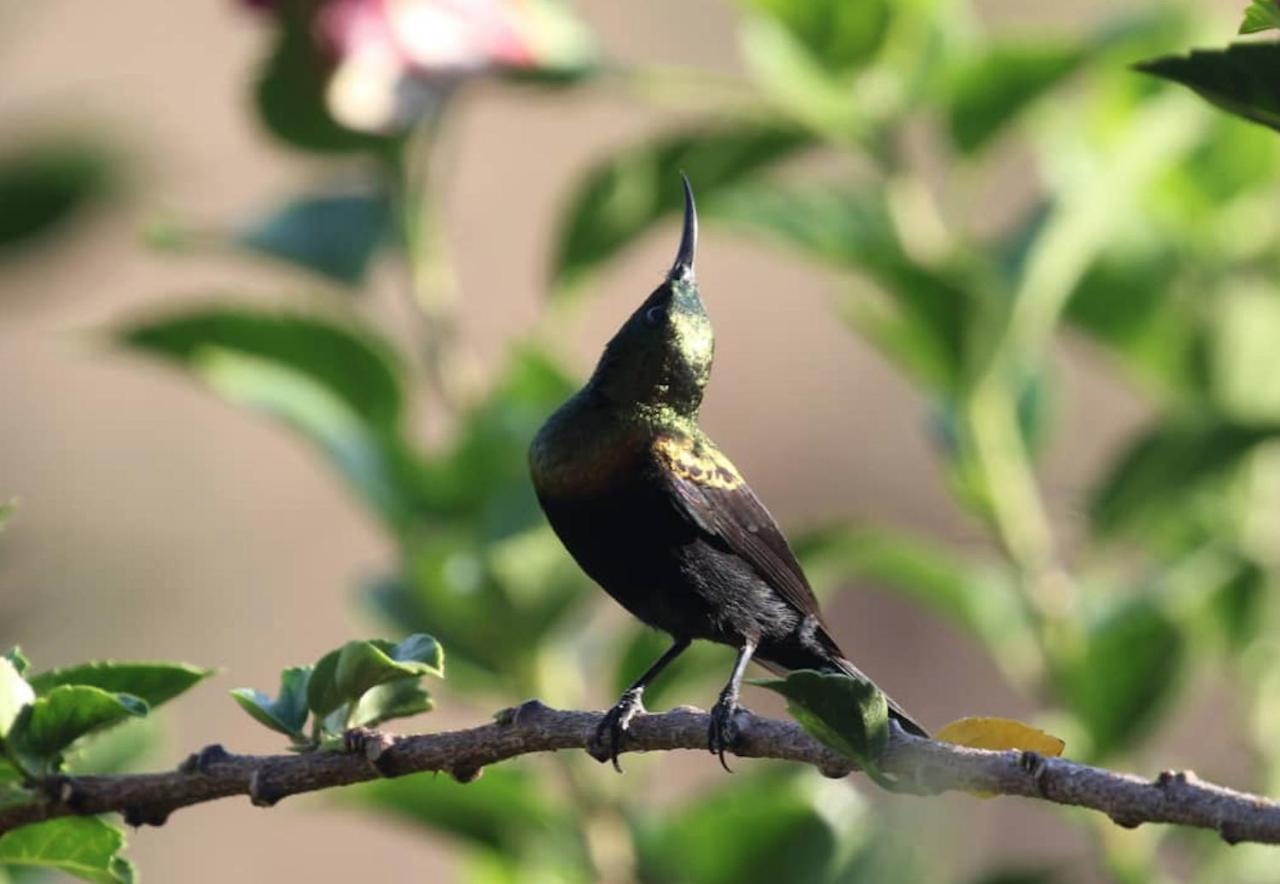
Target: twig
(920, 766)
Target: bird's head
(660, 359)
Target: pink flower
(395, 60)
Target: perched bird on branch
(654, 513)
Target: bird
(654, 512)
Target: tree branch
(920, 766)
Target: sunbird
(652, 511)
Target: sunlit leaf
(335, 235)
(343, 676)
(84, 847)
(624, 196)
(1261, 15)
(154, 682)
(287, 713)
(992, 88)
(1243, 79)
(15, 693)
(931, 309)
(395, 699)
(838, 35)
(52, 722)
(848, 714)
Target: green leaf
(1261, 15)
(352, 363)
(929, 310)
(1167, 463)
(153, 682)
(288, 712)
(290, 94)
(969, 595)
(1124, 675)
(990, 90)
(848, 714)
(1243, 79)
(15, 693)
(66, 713)
(775, 824)
(343, 676)
(84, 847)
(45, 184)
(840, 36)
(624, 196)
(337, 384)
(332, 234)
(395, 699)
(507, 812)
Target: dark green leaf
(84, 847)
(66, 713)
(848, 714)
(290, 93)
(840, 36)
(623, 197)
(1123, 676)
(1165, 464)
(1238, 603)
(333, 234)
(154, 682)
(337, 384)
(1261, 15)
(1243, 79)
(287, 713)
(44, 184)
(993, 88)
(15, 693)
(343, 676)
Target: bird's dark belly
(663, 570)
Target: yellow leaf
(998, 734)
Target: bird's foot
(723, 733)
(612, 731)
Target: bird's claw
(612, 730)
(723, 732)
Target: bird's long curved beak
(682, 269)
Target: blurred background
(995, 323)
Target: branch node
(1169, 779)
(1036, 766)
(1230, 833)
(526, 713)
(200, 762)
(262, 794)
(373, 745)
(143, 815)
(465, 773)
(1125, 821)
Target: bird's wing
(711, 493)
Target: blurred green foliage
(1151, 241)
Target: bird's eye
(655, 316)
